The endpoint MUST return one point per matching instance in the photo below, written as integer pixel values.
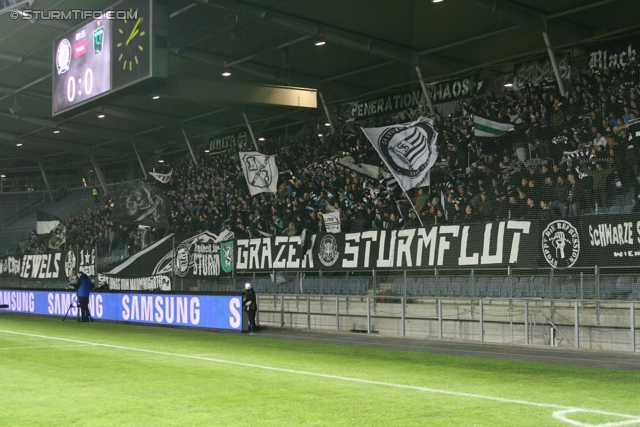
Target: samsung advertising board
(199, 311)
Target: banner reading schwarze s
(449, 90)
(450, 246)
(611, 240)
(181, 255)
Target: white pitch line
(560, 414)
(47, 346)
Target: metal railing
(596, 325)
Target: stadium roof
(371, 46)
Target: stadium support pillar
(139, 159)
(424, 89)
(253, 137)
(337, 314)
(554, 64)
(402, 312)
(44, 177)
(326, 110)
(633, 328)
(96, 167)
(576, 315)
(526, 322)
(439, 318)
(368, 315)
(193, 155)
(481, 321)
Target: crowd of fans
(570, 153)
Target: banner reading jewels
(504, 243)
(54, 265)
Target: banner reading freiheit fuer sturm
(180, 255)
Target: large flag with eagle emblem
(409, 150)
(260, 172)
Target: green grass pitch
(55, 373)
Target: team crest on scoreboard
(328, 253)
(63, 56)
(98, 39)
(560, 244)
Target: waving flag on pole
(46, 222)
(490, 128)
(260, 172)
(409, 150)
(162, 177)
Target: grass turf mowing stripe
(560, 414)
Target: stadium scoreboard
(123, 49)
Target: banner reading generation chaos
(493, 244)
(201, 311)
(54, 265)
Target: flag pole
(414, 210)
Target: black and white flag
(141, 204)
(162, 177)
(332, 221)
(260, 172)
(46, 222)
(409, 150)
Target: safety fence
(596, 325)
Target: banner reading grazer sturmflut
(181, 255)
(493, 244)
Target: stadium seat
(355, 286)
(429, 286)
(493, 287)
(443, 283)
(623, 286)
(607, 287)
(481, 286)
(340, 285)
(454, 288)
(397, 286)
(635, 291)
(538, 287)
(521, 287)
(568, 291)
